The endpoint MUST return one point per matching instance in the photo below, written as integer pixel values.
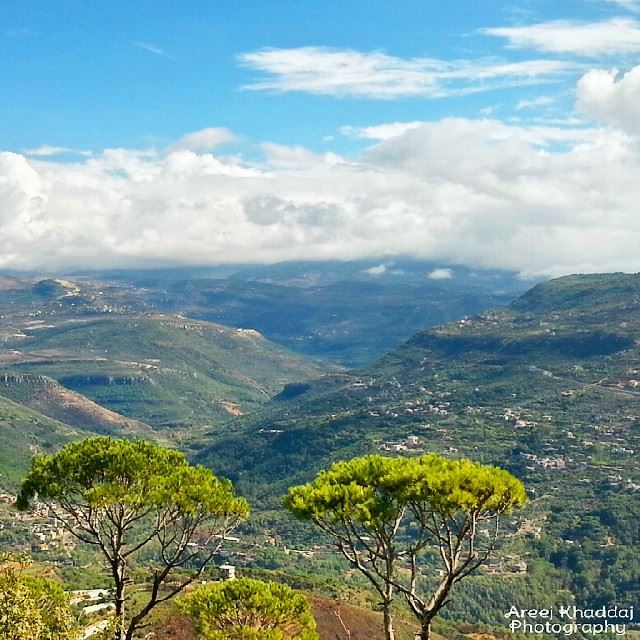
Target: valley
(546, 387)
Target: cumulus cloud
(590, 39)
(204, 139)
(356, 74)
(610, 97)
(440, 274)
(540, 200)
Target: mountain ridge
(553, 396)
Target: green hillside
(78, 358)
(548, 388)
(48, 397)
(162, 370)
(24, 432)
(614, 293)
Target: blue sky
(493, 134)
(95, 75)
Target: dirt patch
(232, 408)
(334, 619)
(176, 627)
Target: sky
(486, 133)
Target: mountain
(79, 358)
(348, 312)
(548, 388)
(23, 433)
(159, 369)
(111, 353)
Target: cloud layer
(591, 39)
(541, 200)
(350, 73)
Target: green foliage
(368, 490)
(380, 510)
(33, 608)
(372, 490)
(133, 499)
(451, 486)
(248, 609)
(100, 472)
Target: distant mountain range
(143, 353)
(346, 312)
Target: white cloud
(381, 131)
(608, 37)
(541, 101)
(377, 270)
(612, 98)
(478, 192)
(204, 139)
(151, 48)
(350, 73)
(47, 150)
(440, 274)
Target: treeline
(150, 513)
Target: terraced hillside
(79, 358)
(163, 370)
(548, 388)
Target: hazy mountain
(349, 312)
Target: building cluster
(545, 462)
(411, 443)
(507, 564)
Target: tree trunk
(119, 581)
(425, 631)
(388, 624)
(387, 599)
